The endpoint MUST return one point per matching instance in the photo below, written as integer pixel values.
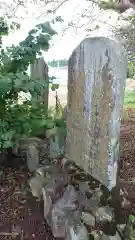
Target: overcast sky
(64, 45)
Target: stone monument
(96, 81)
(39, 71)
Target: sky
(63, 45)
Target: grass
(129, 99)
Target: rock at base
(59, 215)
(116, 237)
(88, 219)
(78, 232)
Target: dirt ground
(130, 84)
(127, 163)
(20, 214)
(127, 173)
(62, 94)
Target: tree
(41, 8)
(126, 34)
(119, 6)
(15, 119)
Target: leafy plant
(53, 86)
(28, 118)
(129, 99)
(129, 231)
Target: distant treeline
(58, 63)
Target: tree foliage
(117, 5)
(126, 34)
(58, 63)
(32, 8)
(28, 118)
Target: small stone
(74, 218)
(89, 194)
(56, 187)
(44, 161)
(98, 193)
(123, 192)
(133, 180)
(47, 203)
(94, 204)
(64, 163)
(88, 205)
(96, 234)
(84, 187)
(106, 237)
(104, 214)
(60, 212)
(78, 232)
(16, 229)
(121, 227)
(72, 169)
(32, 158)
(125, 203)
(88, 219)
(36, 185)
(41, 171)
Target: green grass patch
(129, 99)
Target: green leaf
(50, 123)
(7, 144)
(28, 119)
(54, 86)
(131, 17)
(43, 122)
(7, 136)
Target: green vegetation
(129, 99)
(119, 6)
(129, 231)
(126, 33)
(29, 118)
(58, 63)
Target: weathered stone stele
(96, 83)
(39, 71)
